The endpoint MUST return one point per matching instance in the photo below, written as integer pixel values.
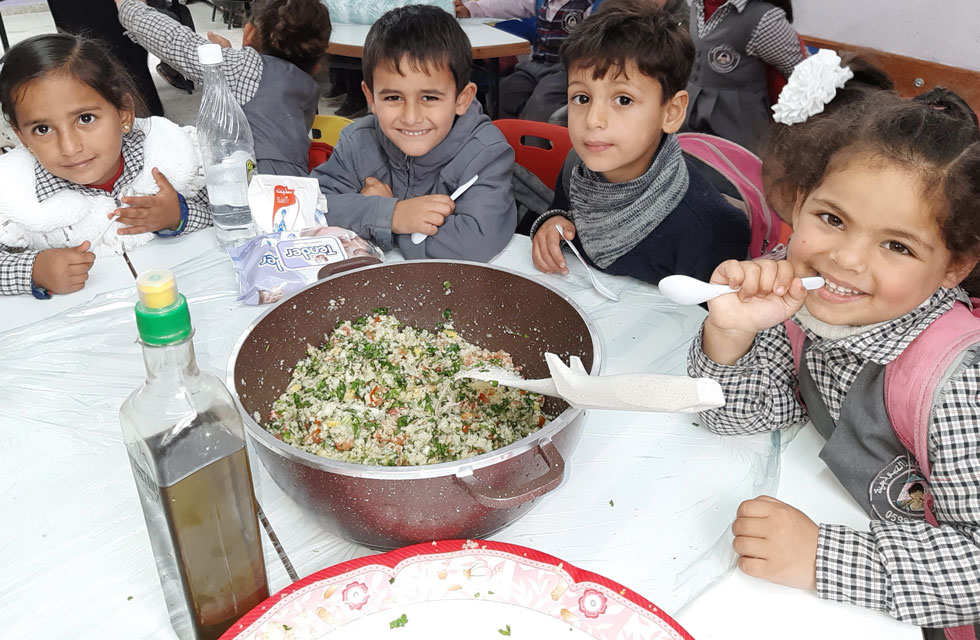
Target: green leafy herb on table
(400, 621)
(505, 631)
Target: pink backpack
(912, 381)
(743, 169)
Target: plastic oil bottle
(186, 445)
(227, 150)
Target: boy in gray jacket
(390, 173)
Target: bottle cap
(209, 53)
(162, 316)
(157, 288)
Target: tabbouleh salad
(382, 393)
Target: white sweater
(69, 217)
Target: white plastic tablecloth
(647, 501)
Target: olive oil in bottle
(186, 445)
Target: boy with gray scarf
(627, 196)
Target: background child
(537, 87)
(735, 40)
(85, 159)
(632, 201)
(270, 75)
(890, 217)
(390, 173)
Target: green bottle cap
(162, 316)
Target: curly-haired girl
(888, 214)
(270, 76)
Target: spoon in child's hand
(418, 236)
(601, 288)
(688, 290)
(108, 226)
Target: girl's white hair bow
(813, 83)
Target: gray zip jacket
(485, 216)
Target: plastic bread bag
(286, 203)
(275, 265)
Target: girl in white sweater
(85, 159)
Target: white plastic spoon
(622, 392)
(418, 236)
(688, 290)
(601, 288)
(108, 225)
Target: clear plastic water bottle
(227, 150)
(186, 445)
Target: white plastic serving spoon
(622, 392)
(601, 288)
(688, 290)
(418, 236)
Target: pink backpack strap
(796, 340)
(966, 632)
(743, 169)
(919, 373)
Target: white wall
(944, 31)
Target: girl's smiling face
(73, 131)
(869, 232)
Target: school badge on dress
(723, 58)
(898, 491)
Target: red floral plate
(453, 589)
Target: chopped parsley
(382, 393)
(505, 631)
(400, 621)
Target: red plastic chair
(544, 163)
(319, 153)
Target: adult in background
(98, 19)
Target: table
(77, 561)
(487, 42)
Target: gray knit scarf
(611, 218)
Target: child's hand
(546, 245)
(224, 43)
(768, 293)
(374, 187)
(776, 542)
(424, 214)
(150, 213)
(461, 11)
(63, 270)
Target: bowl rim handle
(509, 497)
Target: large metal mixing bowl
(389, 507)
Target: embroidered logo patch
(723, 58)
(898, 492)
(571, 20)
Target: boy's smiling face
(416, 108)
(616, 122)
